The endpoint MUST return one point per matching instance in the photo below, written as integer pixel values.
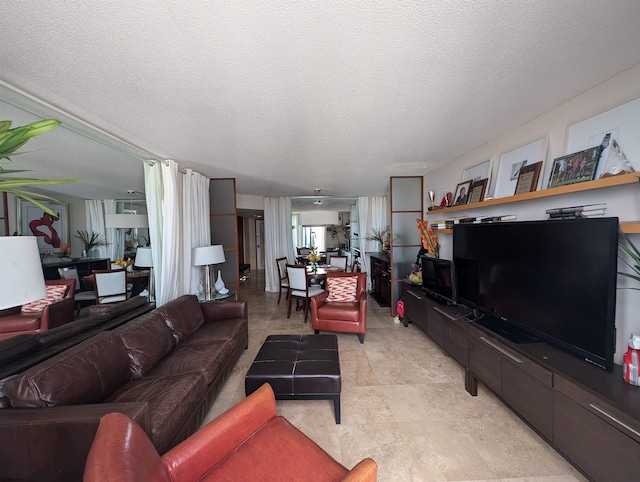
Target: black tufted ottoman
(298, 367)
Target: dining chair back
(338, 262)
(111, 286)
(283, 277)
(299, 287)
(82, 297)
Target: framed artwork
(477, 191)
(512, 162)
(462, 192)
(52, 232)
(573, 168)
(477, 172)
(621, 122)
(528, 178)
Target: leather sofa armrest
(192, 458)
(57, 314)
(366, 470)
(223, 310)
(53, 443)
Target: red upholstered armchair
(328, 313)
(15, 322)
(248, 442)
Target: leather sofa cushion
(339, 311)
(183, 315)
(224, 330)
(147, 340)
(171, 401)
(86, 373)
(206, 359)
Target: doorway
(259, 243)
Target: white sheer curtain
(178, 210)
(115, 237)
(372, 214)
(95, 223)
(196, 225)
(153, 194)
(278, 240)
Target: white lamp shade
(318, 218)
(143, 258)
(126, 221)
(21, 270)
(205, 255)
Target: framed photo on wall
(52, 232)
(477, 191)
(573, 168)
(528, 178)
(621, 122)
(511, 163)
(461, 195)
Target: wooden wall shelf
(629, 227)
(583, 186)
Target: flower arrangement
(382, 236)
(314, 258)
(123, 263)
(90, 241)
(429, 237)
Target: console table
(85, 266)
(380, 278)
(590, 416)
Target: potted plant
(90, 241)
(382, 236)
(10, 141)
(632, 252)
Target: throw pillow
(54, 293)
(342, 288)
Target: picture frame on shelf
(52, 232)
(620, 121)
(478, 172)
(477, 191)
(461, 195)
(511, 162)
(528, 178)
(574, 168)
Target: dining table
(321, 272)
(138, 278)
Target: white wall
(623, 202)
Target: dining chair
(115, 267)
(338, 262)
(82, 298)
(299, 287)
(284, 278)
(111, 286)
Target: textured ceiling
(291, 96)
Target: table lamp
(144, 259)
(206, 256)
(21, 269)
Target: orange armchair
(248, 442)
(341, 316)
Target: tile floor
(403, 404)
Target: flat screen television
(554, 280)
(437, 278)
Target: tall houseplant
(634, 254)
(10, 141)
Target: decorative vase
(84, 253)
(220, 288)
(314, 267)
(130, 268)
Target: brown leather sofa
(166, 366)
(13, 322)
(248, 442)
(342, 317)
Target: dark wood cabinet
(380, 278)
(485, 361)
(415, 306)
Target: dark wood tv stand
(589, 415)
